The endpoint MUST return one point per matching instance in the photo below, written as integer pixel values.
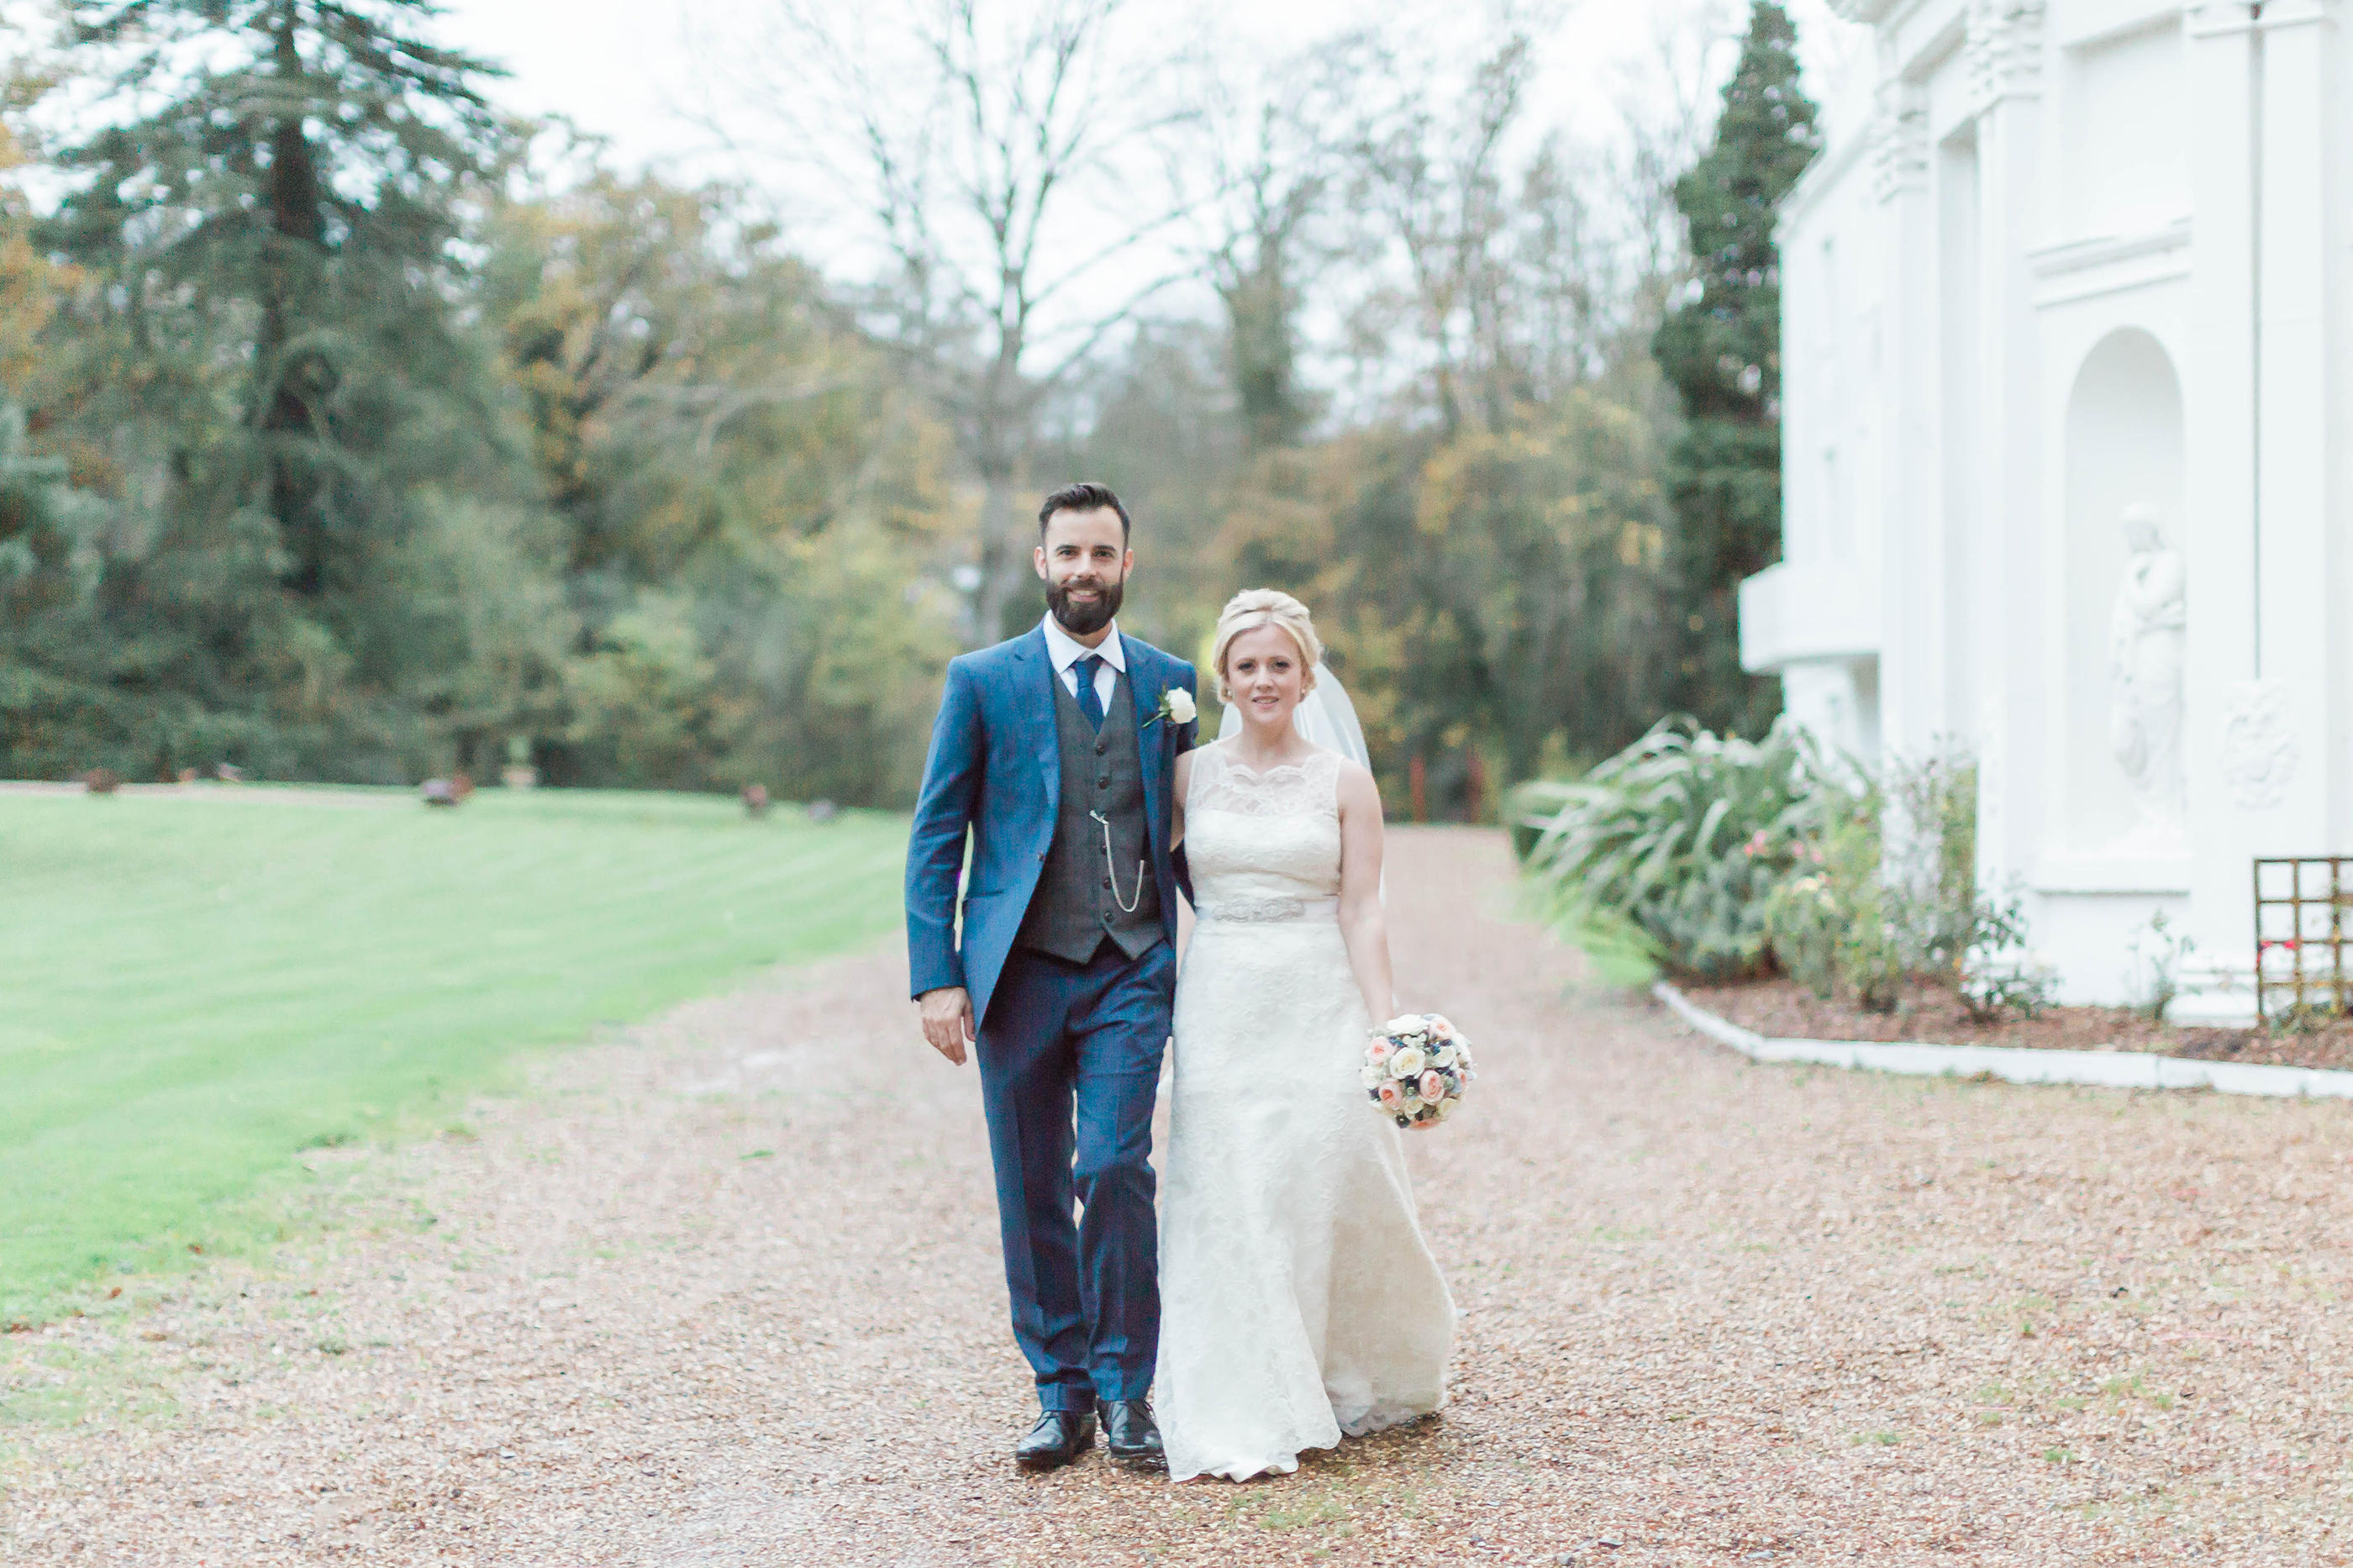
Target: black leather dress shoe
(1131, 1434)
(1060, 1437)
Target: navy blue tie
(1090, 699)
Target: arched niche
(2124, 447)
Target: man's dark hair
(1082, 497)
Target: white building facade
(2068, 464)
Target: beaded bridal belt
(1262, 912)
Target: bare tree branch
(995, 154)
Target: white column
(1915, 565)
(2302, 415)
(2219, 481)
(2336, 284)
(2005, 44)
(1960, 350)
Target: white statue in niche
(2147, 644)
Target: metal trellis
(2302, 906)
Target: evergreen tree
(54, 656)
(1721, 352)
(272, 353)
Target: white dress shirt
(1066, 651)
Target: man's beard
(1084, 620)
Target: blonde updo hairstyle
(1254, 608)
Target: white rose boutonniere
(1176, 706)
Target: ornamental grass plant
(1676, 843)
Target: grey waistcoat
(1076, 906)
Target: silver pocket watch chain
(1126, 906)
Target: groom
(1056, 752)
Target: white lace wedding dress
(1298, 1301)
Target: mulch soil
(1783, 1009)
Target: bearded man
(1053, 754)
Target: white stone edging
(2018, 1064)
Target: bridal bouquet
(1415, 1068)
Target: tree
(269, 363)
(1159, 421)
(1269, 159)
(650, 328)
(747, 498)
(1664, 103)
(1720, 349)
(299, 181)
(1429, 181)
(56, 714)
(1005, 155)
(1492, 593)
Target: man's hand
(947, 1021)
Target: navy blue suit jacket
(995, 770)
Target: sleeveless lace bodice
(1263, 846)
(1298, 1300)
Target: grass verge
(193, 990)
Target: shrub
(1683, 836)
(1892, 897)
(1929, 807)
(1723, 857)
(1803, 918)
(1998, 974)
(1836, 923)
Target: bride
(1299, 1300)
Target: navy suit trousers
(1070, 1066)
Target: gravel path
(726, 1292)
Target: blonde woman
(1299, 1301)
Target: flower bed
(1931, 1015)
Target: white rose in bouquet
(1407, 1063)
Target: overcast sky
(626, 69)
(621, 68)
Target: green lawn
(194, 989)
